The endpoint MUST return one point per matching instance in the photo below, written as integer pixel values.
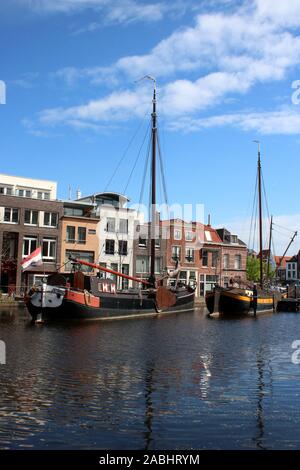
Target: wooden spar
(153, 191)
(260, 218)
(270, 247)
(110, 271)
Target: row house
(30, 216)
(234, 258)
(116, 233)
(79, 235)
(281, 268)
(142, 249)
(206, 256)
(293, 269)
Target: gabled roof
(283, 262)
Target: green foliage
(253, 269)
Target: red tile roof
(284, 261)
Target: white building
(116, 232)
(292, 271)
(27, 187)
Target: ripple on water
(182, 381)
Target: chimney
(70, 193)
(78, 194)
(208, 220)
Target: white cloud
(283, 13)
(110, 11)
(284, 122)
(115, 107)
(226, 54)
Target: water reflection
(177, 382)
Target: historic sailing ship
(236, 300)
(92, 297)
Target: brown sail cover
(165, 298)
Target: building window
(70, 234)
(226, 261)
(29, 245)
(114, 267)
(11, 215)
(49, 249)
(204, 258)
(177, 234)
(190, 255)
(142, 264)
(142, 242)
(125, 270)
(102, 274)
(73, 212)
(123, 247)
(176, 253)
(208, 236)
(110, 247)
(215, 258)
(6, 190)
(111, 224)
(123, 226)
(43, 195)
(31, 217)
(189, 236)
(50, 219)
(88, 256)
(237, 262)
(158, 265)
(23, 192)
(234, 239)
(82, 235)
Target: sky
(227, 73)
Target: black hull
(111, 308)
(233, 303)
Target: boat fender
(87, 297)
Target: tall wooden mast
(153, 188)
(153, 183)
(260, 216)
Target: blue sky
(224, 71)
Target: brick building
(206, 256)
(79, 234)
(141, 251)
(29, 217)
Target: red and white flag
(33, 260)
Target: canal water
(177, 382)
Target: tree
(253, 269)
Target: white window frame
(189, 249)
(238, 261)
(227, 258)
(50, 219)
(30, 250)
(44, 195)
(11, 212)
(31, 213)
(189, 236)
(179, 237)
(49, 241)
